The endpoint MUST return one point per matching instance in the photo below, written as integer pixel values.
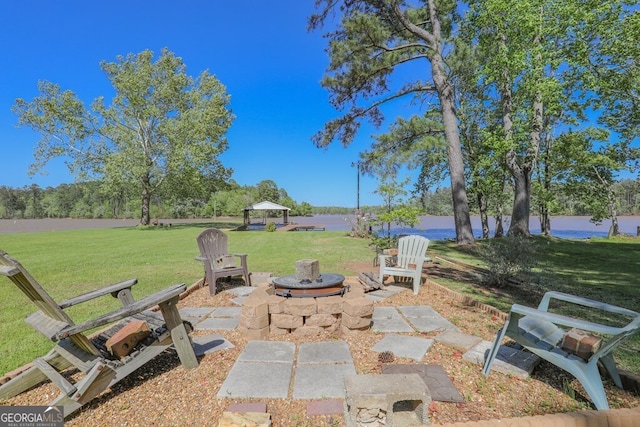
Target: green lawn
(601, 269)
(69, 263)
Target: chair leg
(610, 366)
(493, 352)
(247, 278)
(179, 336)
(589, 376)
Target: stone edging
(626, 417)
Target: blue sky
(260, 50)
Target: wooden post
(179, 334)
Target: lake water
(433, 227)
(442, 227)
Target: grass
(69, 263)
(599, 268)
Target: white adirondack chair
(409, 261)
(541, 332)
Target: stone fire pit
(308, 303)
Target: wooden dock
(302, 227)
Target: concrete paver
(213, 323)
(321, 369)
(195, 314)
(425, 319)
(434, 376)
(387, 319)
(510, 361)
(210, 344)
(404, 346)
(263, 370)
(458, 340)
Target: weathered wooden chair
(544, 333)
(89, 354)
(411, 256)
(217, 261)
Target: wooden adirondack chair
(409, 261)
(89, 354)
(543, 332)
(217, 261)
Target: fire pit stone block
(321, 320)
(355, 322)
(287, 321)
(307, 331)
(330, 305)
(358, 307)
(307, 269)
(251, 322)
(255, 307)
(300, 306)
(254, 334)
(276, 304)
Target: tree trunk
(462, 220)
(145, 217)
(484, 221)
(499, 227)
(520, 215)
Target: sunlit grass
(69, 263)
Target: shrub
(270, 226)
(507, 258)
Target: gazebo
(266, 206)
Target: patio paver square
(404, 346)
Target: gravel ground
(164, 394)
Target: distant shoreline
(628, 224)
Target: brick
(325, 407)
(251, 322)
(247, 407)
(358, 307)
(330, 305)
(255, 307)
(355, 322)
(276, 304)
(300, 306)
(124, 341)
(287, 321)
(254, 334)
(320, 320)
(581, 343)
(245, 419)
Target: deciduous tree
(162, 125)
(374, 39)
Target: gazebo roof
(266, 206)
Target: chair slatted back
(212, 244)
(412, 250)
(11, 268)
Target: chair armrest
(137, 307)
(201, 258)
(559, 319)
(560, 296)
(383, 258)
(112, 289)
